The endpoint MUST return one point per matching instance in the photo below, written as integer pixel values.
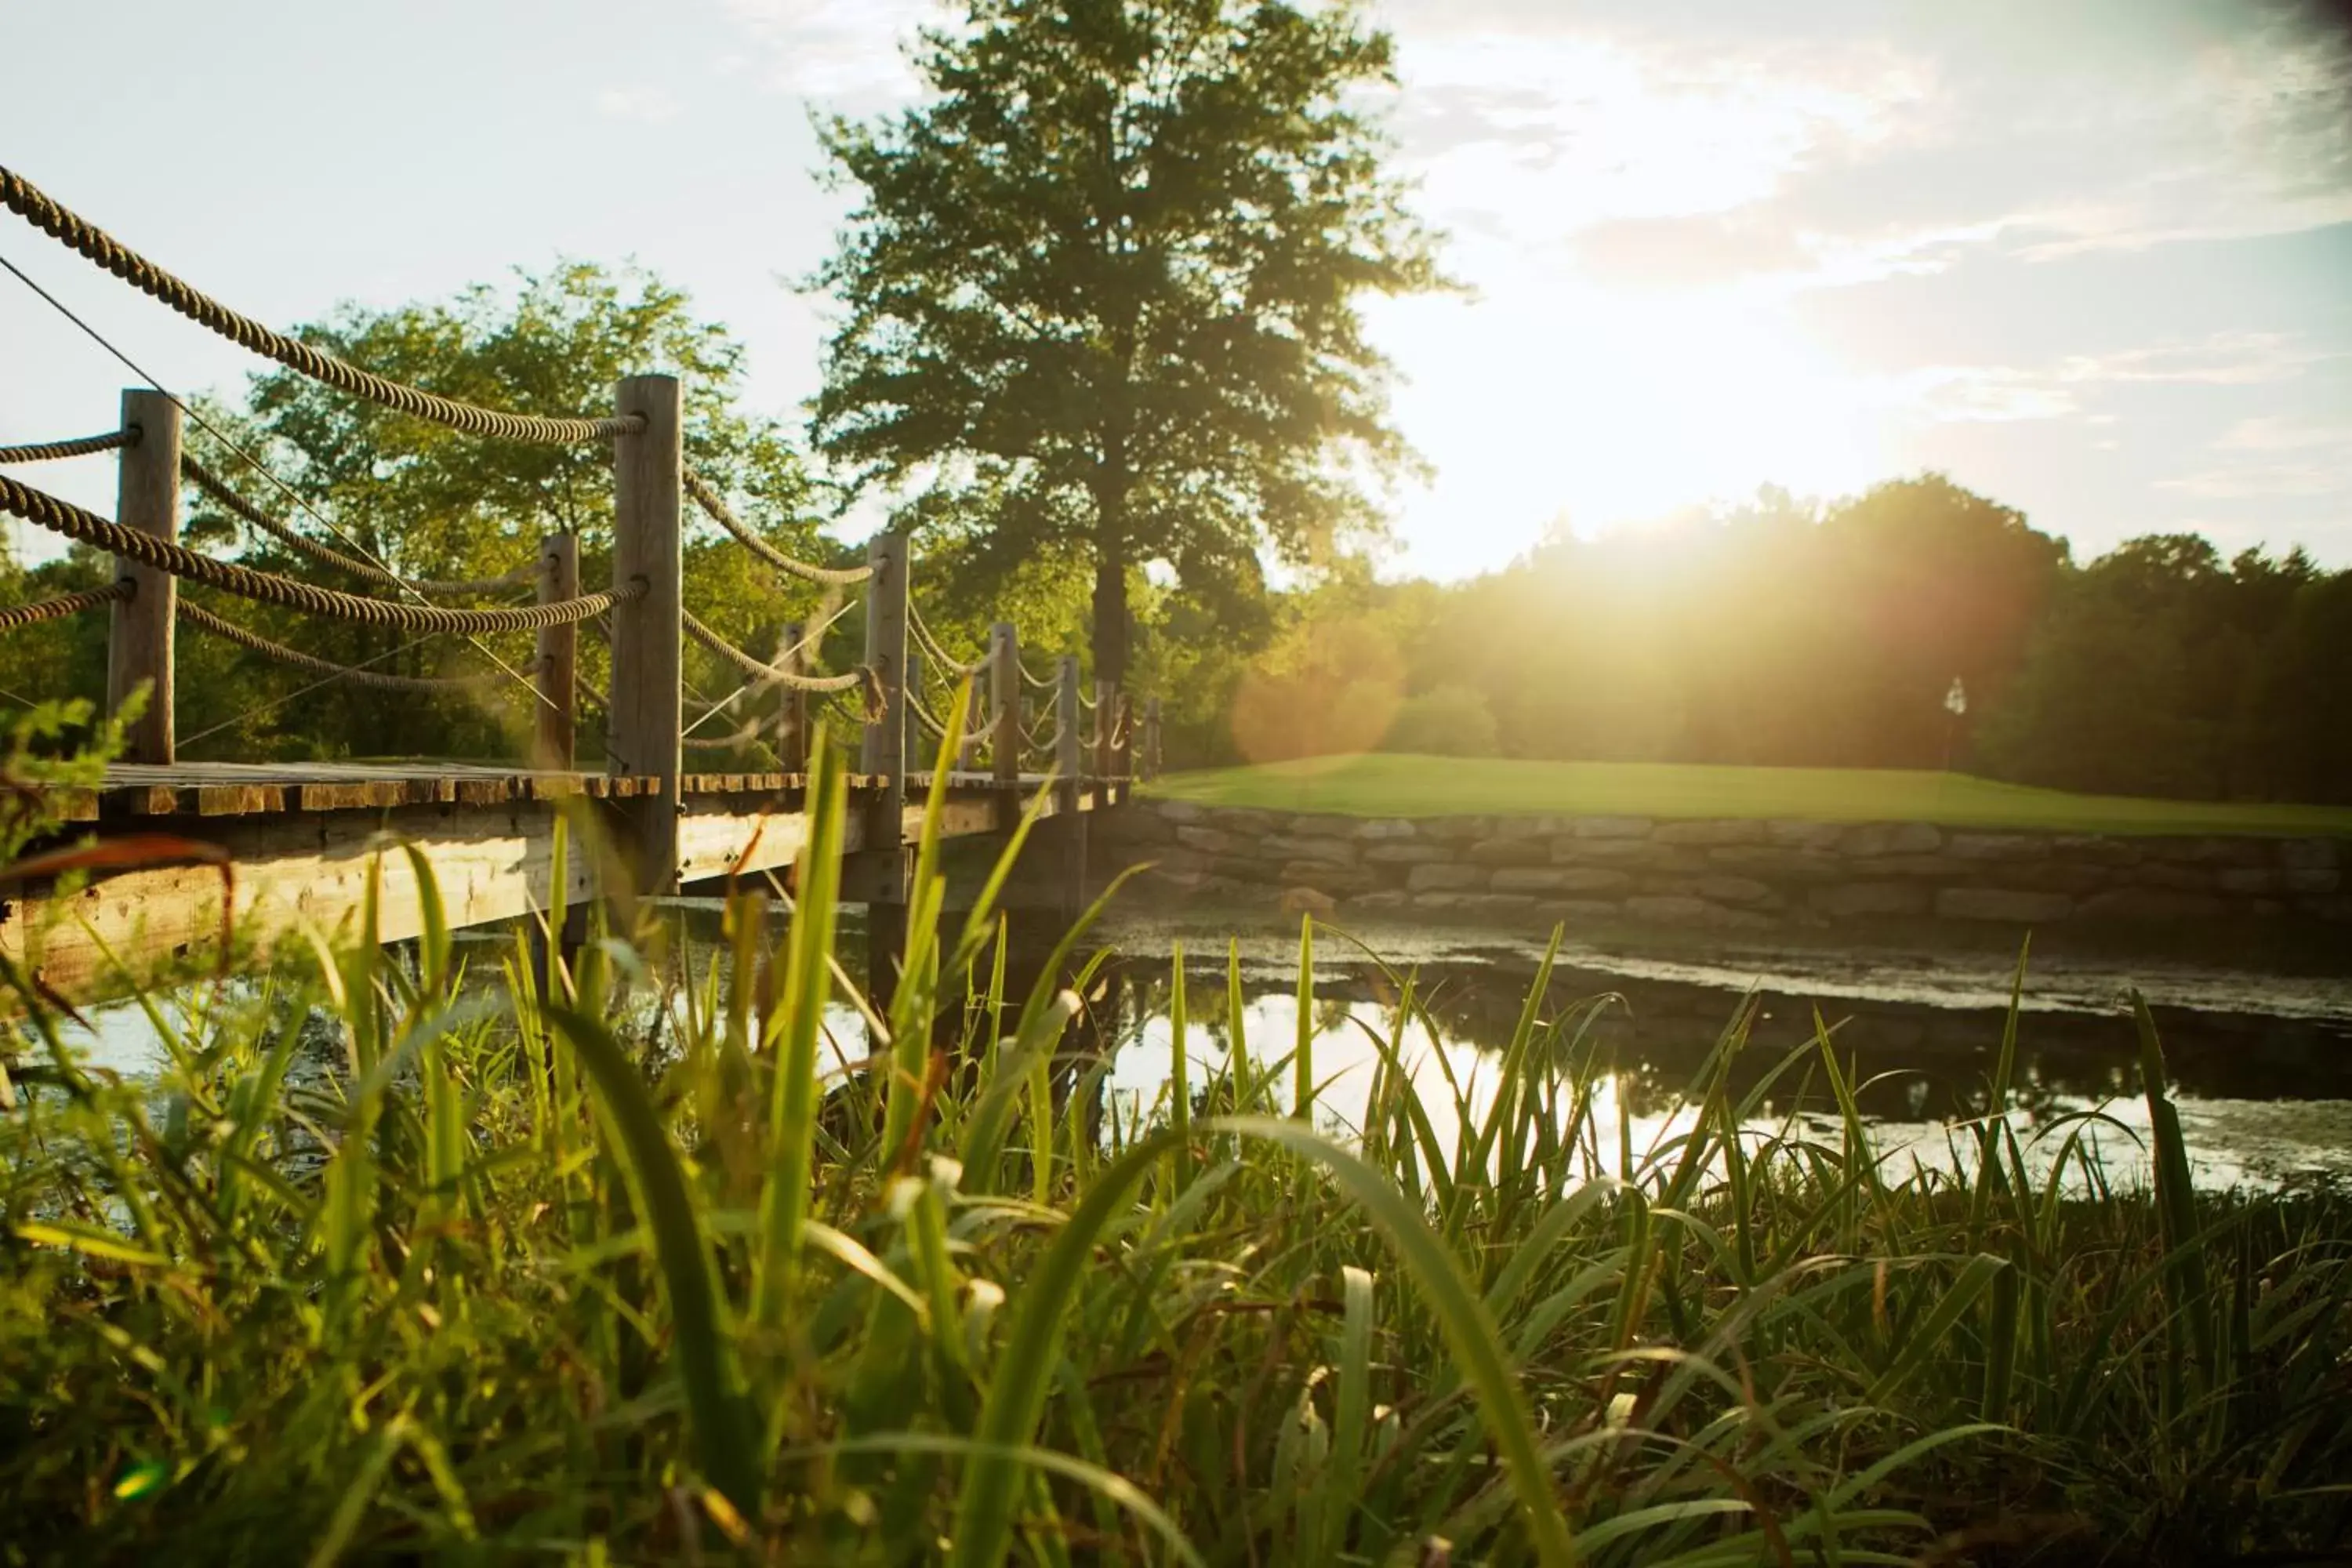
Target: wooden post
(1150, 769)
(1123, 752)
(644, 731)
(1069, 759)
(976, 725)
(791, 705)
(1069, 756)
(916, 740)
(1005, 698)
(881, 868)
(559, 656)
(139, 643)
(884, 752)
(1106, 739)
(1007, 732)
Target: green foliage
(483, 1272)
(1101, 290)
(2162, 669)
(1795, 635)
(1450, 722)
(434, 504)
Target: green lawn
(1388, 785)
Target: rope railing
(76, 233)
(707, 498)
(266, 587)
(64, 605)
(1042, 682)
(78, 446)
(763, 673)
(218, 488)
(749, 736)
(929, 643)
(204, 620)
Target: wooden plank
(150, 800)
(238, 799)
(712, 839)
(488, 866)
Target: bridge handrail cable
(929, 643)
(716, 509)
(204, 620)
(762, 673)
(218, 488)
(76, 233)
(62, 605)
(266, 587)
(76, 446)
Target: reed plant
(609, 1259)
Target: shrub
(1449, 722)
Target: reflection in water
(2265, 1091)
(2264, 1100)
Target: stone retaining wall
(1727, 874)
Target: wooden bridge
(296, 840)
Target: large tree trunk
(1110, 571)
(1110, 611)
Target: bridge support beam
(644, 731)
(138, 645)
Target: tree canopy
(1100, 296)
(430, 502)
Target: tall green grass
(600, 1260)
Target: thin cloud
(845, 54)
(645, 105)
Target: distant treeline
(1790, 635)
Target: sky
(2092, 257)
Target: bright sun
(1611, 409)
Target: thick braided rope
(267, 588)
(64, 605)
(937, 655)
(213, 485)
(204, 620)
(79, 446)
(749, 736)
(708, 500)
(768, 674)
(27, 200)
(923, 715)
(1042, 682)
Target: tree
(1102, 289)
(434, 503)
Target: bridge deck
(244, 789)
(306, 837)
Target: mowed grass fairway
(1382, 785)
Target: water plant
(602, 1259)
